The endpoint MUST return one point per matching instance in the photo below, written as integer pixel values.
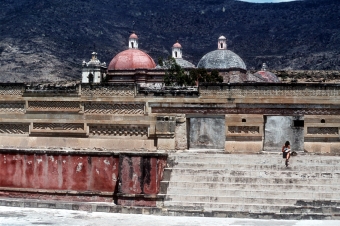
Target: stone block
(165, 144)
(318, 147)
(165, 126)
(243, 146)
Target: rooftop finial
(94, 56)
(264, 67)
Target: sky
(267, 1)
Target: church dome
(133, 35)
(177, 45)
(221, 58)
(184, 63)
(131, 59)
(266, 76)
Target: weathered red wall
(62, 172)
(138, 174)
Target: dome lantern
(177, 50)
(133, 41)
(222, 42)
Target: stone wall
(126, 117)
(82, 176)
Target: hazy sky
(266, 1)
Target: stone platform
(232, 185)
(253, 185)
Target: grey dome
(221, 59)
(184, 63)
(180, 62)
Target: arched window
(175, 53)
(91, 78)
(221, 45)
(244, 120)
(132, 45)
(323, 121)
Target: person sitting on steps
(286, 152)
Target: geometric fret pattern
(273, 111)
(11, 91)
(53, 105)
(244, 129)
(14, 128)
(109, 91)
(323, 130)
(59, 126)
(251, 91)
(12, 107)
(128, 109)
(118, 130)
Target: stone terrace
(255, 185)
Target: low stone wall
(129, 179)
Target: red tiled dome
(266, 76)
(177, 45)
(131, 59)
(133, 35)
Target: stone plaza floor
(16, 216)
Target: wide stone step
(241, 207)
(285, 173)
(264, 159)
(259, 177)
(249, 207)
(254, 180)
(251, 166)
(187, 187)
(220, 195)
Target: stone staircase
(252, 185)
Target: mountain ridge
(48, 40)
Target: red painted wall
(62, 172)
(140, 175)
(137, 174)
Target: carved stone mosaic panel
(323, 130)
(251, 91)
(14, 128)
(243, 129)
(108, 91)
(11, 91)
(270, 111)
(129, 109)
(12, 107)
(54, 105)
(118, 130)
(59, 126)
